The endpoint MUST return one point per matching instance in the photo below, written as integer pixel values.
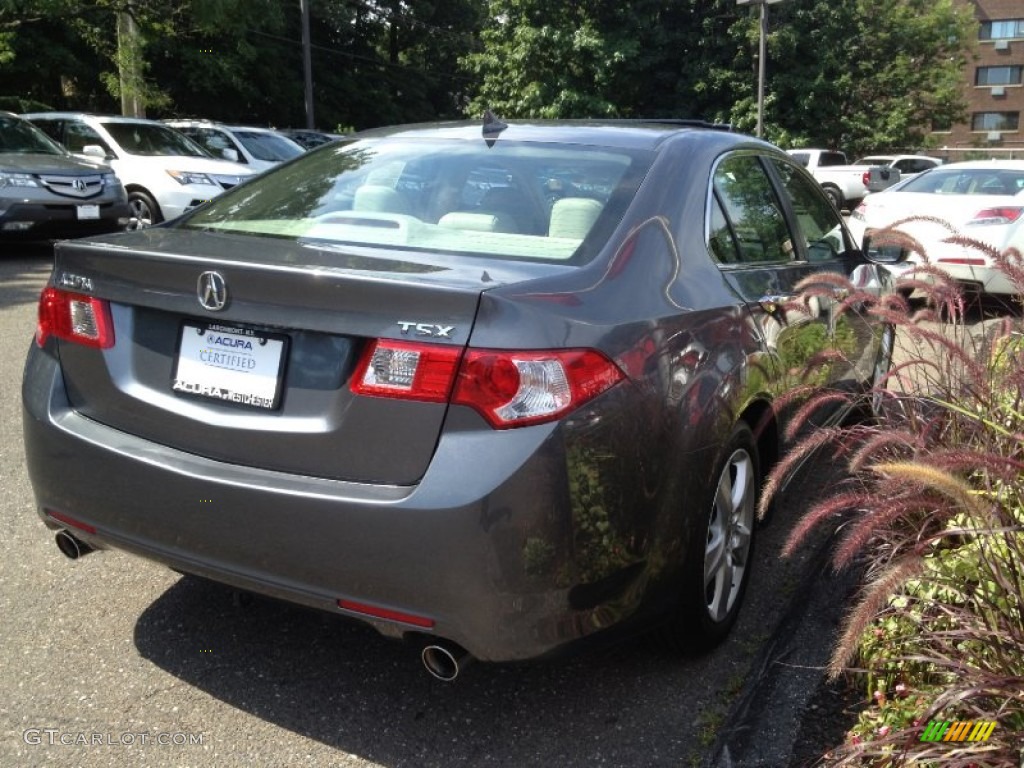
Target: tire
(719, 558)
(145, 211)
(834, 196)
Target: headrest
(572, 217)
(380, 199)
(477, 222)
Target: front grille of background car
(72, 207)
(73, 186)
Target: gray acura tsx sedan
(491, 387)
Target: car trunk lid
(296, 315)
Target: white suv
(164, 173)
(257, 148)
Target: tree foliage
(861, 75)
(374, 61)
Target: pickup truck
(846, 184)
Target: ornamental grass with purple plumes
(933, 509)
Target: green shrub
(934, 509)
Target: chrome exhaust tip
(71, 547)
(444, 662)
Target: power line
(369, 59)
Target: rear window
(973, 181)
(510, 200)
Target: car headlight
(17, 180)
(111, 180)
(190, 177)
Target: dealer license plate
(236, 365)
(88, 211)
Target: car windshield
(511, 200)
(152, 139)
(967, 181)
(268, 146)
(21, 136)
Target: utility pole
(307, 63)
(129, 65)
(762, 56)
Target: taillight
(407, 370)
(865, 178)
(513, 389)
(970, 262)
(508, 388)
(74, 317)
(1004, 214)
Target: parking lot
(111, 660)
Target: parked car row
(150, 171)
(257, 148)
(847, 184)
(981, 201)
(46, 191)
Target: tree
(374, 61)
(117, 31)
(552, 58)
(861, 75)
(864, 74)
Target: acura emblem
(79, 185)
(212, 291)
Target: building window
(995, 121)
(999, 75)
(1007, 29)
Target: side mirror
(884, 251)
(95, 150)
(230, 154)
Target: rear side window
(748, 208)
(513, 199)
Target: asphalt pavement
(114, 661)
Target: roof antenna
(493, 126)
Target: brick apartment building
(993, 86)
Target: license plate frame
(87, 212)
(230, 364)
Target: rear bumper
(455, 548)
(985, 279)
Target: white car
(164, 173)
(979, 200)
(256, 148)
